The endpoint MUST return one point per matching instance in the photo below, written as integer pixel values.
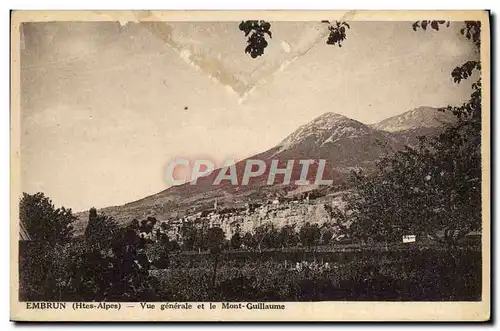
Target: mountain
(421, 121)
(343, 143)
(422, 117)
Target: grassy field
(376, 274)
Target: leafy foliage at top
(471, 29)
(432, 24)
(337, 33)
(256, 31)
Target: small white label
(409, 238)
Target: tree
(102, 266)
(236, 240)
(201, 238)
(113, 273)
(327, 236)
(43, 221)
(434, 186)
(157, 253)
(310, 234)
(111, 266)
(135, 224)
(173, 246)
(288, 236)
(271, 239)
(151, 222)
(338, 217)
(215, 240)
(189, 234)
(144, 226)
(260, 234)
(101, 230)
(249, 240)
(266, 235)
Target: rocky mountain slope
(344, 144)
(422, 117)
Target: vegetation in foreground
(69, 273)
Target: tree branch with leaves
(256, 32)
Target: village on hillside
(277, 213)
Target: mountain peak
(421, 117)
(326, 128)
(329, 115)
(328, 118)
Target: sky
(105, 106)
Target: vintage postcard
(250, 166)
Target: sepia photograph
(244, 162)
